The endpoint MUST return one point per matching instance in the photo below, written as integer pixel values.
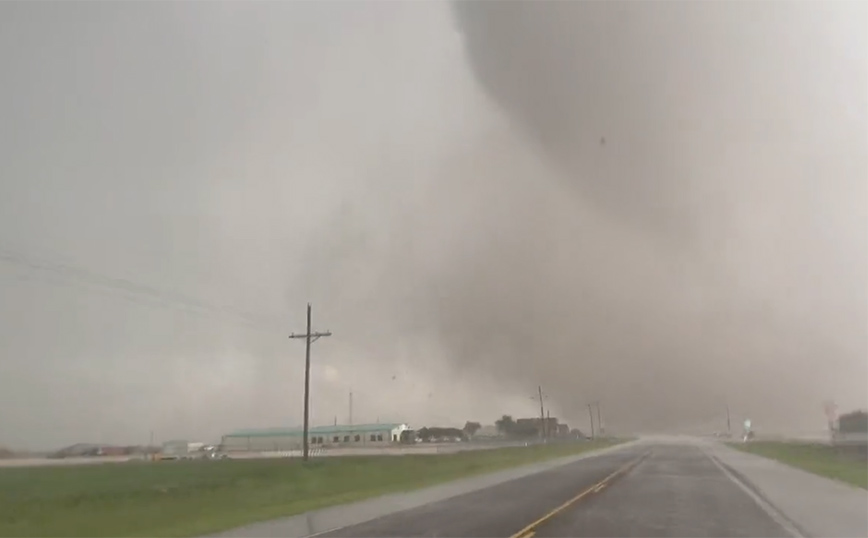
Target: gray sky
(179, 179)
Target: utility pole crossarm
(313, 336)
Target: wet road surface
(646, 490)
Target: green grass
(839, 463)
(191, 498)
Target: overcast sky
(661, 206)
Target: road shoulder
(818, 506)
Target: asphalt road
(647, 490)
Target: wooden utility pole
(542, 414)
(591, 414)
(599, 420)
(548, 422)
(309, 338)
(351, 408)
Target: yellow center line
(530, 530)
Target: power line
(135, 292)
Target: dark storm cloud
(172, 173)
(727, 141)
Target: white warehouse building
(272, 439)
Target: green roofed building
(277, 439)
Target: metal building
(274, 439)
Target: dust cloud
(717, 155)
(661, 207)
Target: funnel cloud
(660, 206)
(718, 155)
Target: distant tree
(470, 428)
(505, 425)
(447, 433)
(525, 430)
(426, 434)
(853, 422)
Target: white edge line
(773, 512)
(320, 533)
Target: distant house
(276, 439)
(852, 429)
(77, 450)
(113, 451)
(487, 431)
(90, 450)
(576, 433)
(855, 422)
(532, 426)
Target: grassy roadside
(831, 462)
(197, 497)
